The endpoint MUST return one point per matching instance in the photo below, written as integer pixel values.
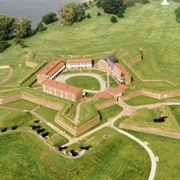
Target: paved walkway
(149, 151)
(64, 77)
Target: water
(32, 9)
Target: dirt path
(8, 76)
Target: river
(32, 9)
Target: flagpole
(108, 79)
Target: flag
(110, 63)
(115, 71)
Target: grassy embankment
(21, 120)
(167, 151)
(144, 118)
(113, 156)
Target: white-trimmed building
(78, 64)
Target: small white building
(78, 64)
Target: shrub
(49, 18)
(120, 14)
(177, 14)
(114, 19)
(98, 14)
(88, 15)
(144, 1)
(40, 27)
(129, 3)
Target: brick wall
(41, 101)
(15, 97)
(156, 95)
(77, 131)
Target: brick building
(51, 71)
(62, 90)
(115, 70)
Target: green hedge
(31, 73)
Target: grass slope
(21, 104)
(167, 150)
(25, 156)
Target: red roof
(103, 94)
(72, 61)
(121, 68)
(62, 86)
(52, 67)
(117, 90)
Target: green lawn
(141, 100)
(87, 113)
(47, 113)
(85, 82)
(24, 155)
(21, 104)
(3, 73)
(167, 150)
(176, 112)
(57, 140)
(110, 112)
(12, 118)
(71, 113)
(145, 118)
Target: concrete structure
(165, 2)
(62, 90)
(78, 64)
(51, 71)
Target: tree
(88, 16)
(98, 14)
(112, 6)
(8, 27)
(99, 3)
(144, 1)
(71, 13)
(40, 27)
(177, 14)
(129, 2)
(3, 45)
(20, 42)
(24, 28)
(120, 14)
(114, 19)
(49, 18)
